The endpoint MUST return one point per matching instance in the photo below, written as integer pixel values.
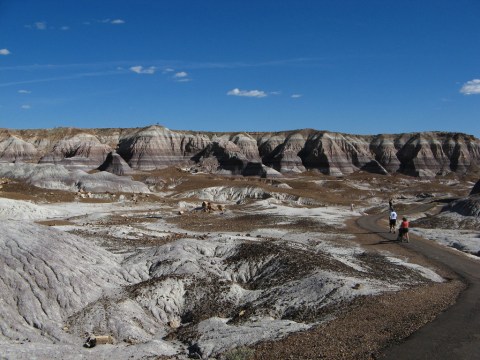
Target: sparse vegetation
(240, 353)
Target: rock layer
(426, 154)
(14, 149)
(84, 150)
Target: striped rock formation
(425, 154)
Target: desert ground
(278, 269)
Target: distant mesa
(267, 154)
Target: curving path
(454, 334)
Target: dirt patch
(59, 222)
(367, 326)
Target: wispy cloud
(141, 70)
(60, 78)
(42, 25)
(168, 70)
(5, 52)
(108, 21)
(471, 87)
(25, 106)
(24, 92)
(38, 25)
(247, 93)
(296, 96)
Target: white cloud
(110, 21)
(471, 87)
(167, 70)
(24, 92)
(25, 106)
(141, 70)
(184, 80)
(64, 28)
(4, 52)
(40, 25)
(296, 96)
(181, 74)
(247, 93)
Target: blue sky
(364, 67)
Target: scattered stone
(174, 324)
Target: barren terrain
(279, 269)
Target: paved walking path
(454, 334)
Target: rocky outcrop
(335, 154)
(228, 155)
(476, 188)
(283, 156)
(426, 154)
(469, 206)
(384, 149)
(13, 149)
(59, 177)
(116, 165)
(81, 150)
(157, 147)
(248, 146)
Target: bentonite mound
(48, 277)
(284, 156)
(228, 155)
(476, 188)
(58, 177)
(14, 149)
(116, 165)
(469, 206)
(426, 154)
(81, 150)
(335, 154)
(156, 147)
(248, 146)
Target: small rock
(174, 324)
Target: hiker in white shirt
(393, 221)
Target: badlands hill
(425, 154)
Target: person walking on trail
(390, 204)
(393, 221)
(403, 230)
